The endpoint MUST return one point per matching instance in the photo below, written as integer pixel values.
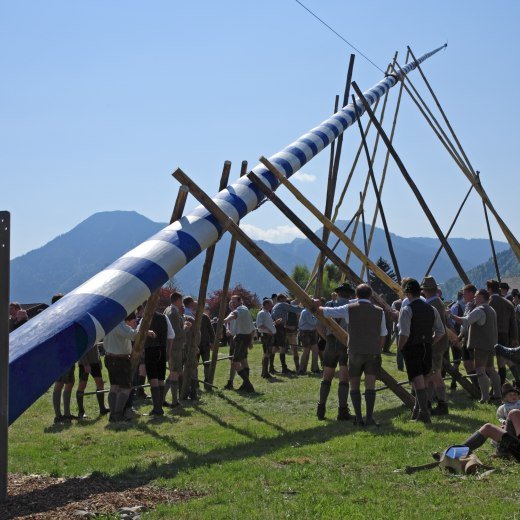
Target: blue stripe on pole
(52, 339)
(298, 153)
(148, 272)
(311, 145)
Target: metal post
(5, 230)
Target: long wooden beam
(385, 167)
(378, 200)
(280, 274)
(223, 297)
(511, 238)
(298, 195)
(190, 367)
(413, 187)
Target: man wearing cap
(366, 327)
(336, 354)
(420, 327)
(507, 328)
(441, 347)
(481, 328)
(280, 314)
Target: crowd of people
(480, 329)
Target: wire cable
(339, 36)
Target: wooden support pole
(437, 130)
(413, 187)
(151, 304)
(5, 241)
(372, 159)
(282, 276)
(364, 228)
(449, 231)
(223, 298)
(463, 382)
(492, 243)
(332, 181)
(190, 367)
(312, 276)
(394, 286)
(385, 167)
(511, 238)
(378, 199)
(328, 206)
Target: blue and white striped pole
(45, 347)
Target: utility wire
(339, 35)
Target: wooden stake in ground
(190, 367)
(413, 186)
(151, 304)
(228, 225)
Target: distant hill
(72, 258)
(508, 266)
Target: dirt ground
(42, 497)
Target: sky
(101, 101)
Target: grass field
(268, 456)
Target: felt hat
(429, 283)
(345, 288)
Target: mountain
(72, 258)
(508, 266)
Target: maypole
(42, 349)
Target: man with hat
(420, 327)
(504, 289)
(336, 353)
(441, 347)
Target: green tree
(378, 286)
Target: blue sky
(101, 100)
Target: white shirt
(264, 322)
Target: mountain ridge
(103, 237)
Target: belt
(122, 356)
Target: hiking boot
(273, 370)
(372, 422)
(229, 386)
(286, 371)
(343, 414)
(423, 417)
(104, 411)
(320, 411)
(358, 422)
(58, 419)
(441, 409)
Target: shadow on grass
(77, 489)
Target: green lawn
(269, 457)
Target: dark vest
(160, 328)
(506, 322)
(421, 327)
(364, 328)
(484, 337)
